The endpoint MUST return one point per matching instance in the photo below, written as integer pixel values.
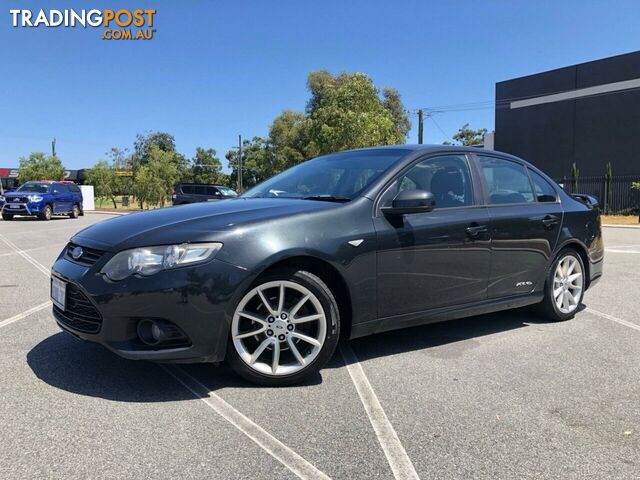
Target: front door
(438, 258)
(525, 222)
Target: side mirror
(411, 201)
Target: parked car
(194, 192)
(350, 244)
(42, 199)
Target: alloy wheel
(568, 283)
(279, 328)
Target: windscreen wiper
(328, 198)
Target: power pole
(239, 163)
(420, 126)
(53, 147)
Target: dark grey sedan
(341, 246)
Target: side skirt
(443, 314)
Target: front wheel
(565, 286)
(46, 213)
(284, 329)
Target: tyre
(564, 287)
(284, 329)
(75, 212)
(46, 213)
(7, 216)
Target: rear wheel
(565, 286)
(284, 329)
(7, 216)
(75, 212)
(46, 213)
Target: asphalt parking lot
(498, 396)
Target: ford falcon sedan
(341, 246)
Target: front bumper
(21, 208)
(198, 300)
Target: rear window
(507, 181)
(543, 189)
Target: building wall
(590, 130)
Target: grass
(106, 205)
(620, 220)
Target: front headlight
(149, 260)
(35, 198)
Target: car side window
(187, 189)
(544, 191)
(447, 177)
(507, 181)
(57, 189)
(211, 191)
(74, 188)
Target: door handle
(475, 230)
(550, 221)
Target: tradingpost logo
(118, 24)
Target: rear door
(526, 217)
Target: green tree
(289, 137)
(145, 142)
(155, 180)
(346, 112)
(468, 137)
(121, 161)
(104, 181)
(39, 166)
(258, 162)
(206, 166)
(393, 103)
(575, 174)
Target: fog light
(157, 332)
(150, 332)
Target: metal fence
(621, 199)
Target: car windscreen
(34, 187)
(337, 176)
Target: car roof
(432, 148)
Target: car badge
(76, 253)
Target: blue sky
(220, 68)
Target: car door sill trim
(441, 314)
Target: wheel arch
(323, 269)
(581, 250)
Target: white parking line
(619, 250)
(26, 256)
(613, 319)
(24, 314)
(8, 254)
(290, 459)
(397, 457)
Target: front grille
(18, 200)
(89, 255)
(80, 314)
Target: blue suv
(43, 200)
